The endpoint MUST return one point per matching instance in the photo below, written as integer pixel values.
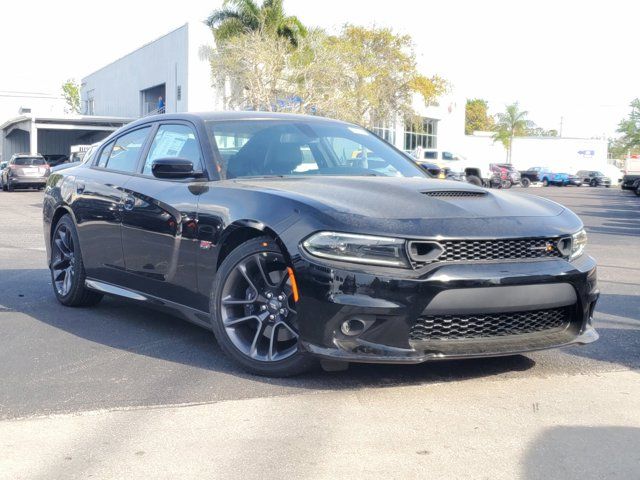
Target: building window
(89, 105)
(425, 135)
(385, 131)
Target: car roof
(231, 116)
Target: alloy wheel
(63, 260)
(257, 308)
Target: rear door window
(126, 151)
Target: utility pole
(561, 123)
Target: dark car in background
(24, 171)
(533, 175)
(55, 160)
(262, 228)
(593, 178)
(86, 156)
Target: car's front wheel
(545, 182)
(254, 313)
(67, 268)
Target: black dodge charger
(295, 238)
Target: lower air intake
(460, 327)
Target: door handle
(129, 202)
(80, 188)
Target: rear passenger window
(174, 141)
(126, 151)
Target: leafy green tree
(71, 94)
(238, 17)
(477, 117)
(629, 129)
(511, 123)
(365, 76)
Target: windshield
(28, 161)
(251, 148)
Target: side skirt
(197, 317)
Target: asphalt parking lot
(119, 356)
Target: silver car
(24, 170)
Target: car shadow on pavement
(583, 453)
(132, 328)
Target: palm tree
(511, 123)
(237, 17)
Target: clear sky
(571, 59)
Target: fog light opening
(352, 327)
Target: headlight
(347, 247)
(578, 243)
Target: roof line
(134, 51)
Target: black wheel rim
(63, 260)
(257, 308)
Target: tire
(66, 257)
(545, 182)
(593, 183)
(506, 184)
(637, 191)
(9, 186)
(240, 325)
(525, 182)
(473, 180)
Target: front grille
(508, 249)
(459, 327)
(454, 193)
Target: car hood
(405, 198)
(417, 207)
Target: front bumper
(389, 307)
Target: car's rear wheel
(545, 182)
(525, 182)
(593, 183)
(254, 313)
(67, 268)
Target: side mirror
(173, 167)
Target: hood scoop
(455, 193)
